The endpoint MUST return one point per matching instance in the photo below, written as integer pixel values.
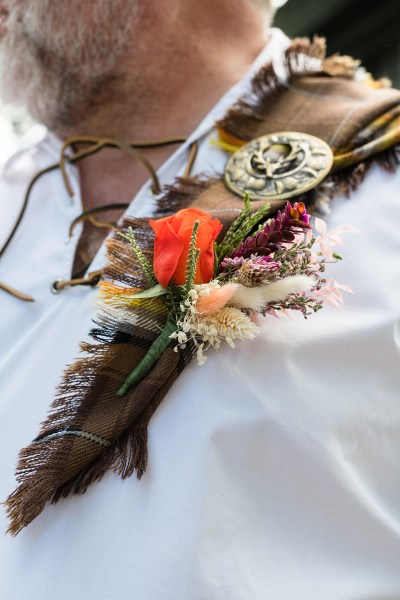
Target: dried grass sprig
(241, 228)
(144, 262)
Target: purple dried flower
(264, 262)
(256, 271)
(234, 263)
(278, 231)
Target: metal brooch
(278, 166)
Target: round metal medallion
(278, 166)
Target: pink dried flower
(330, 292)
(327, 240)
(210, 304)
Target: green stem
(150, 359)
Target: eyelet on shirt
(91, 280)
(54, 289)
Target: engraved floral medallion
(278, 166)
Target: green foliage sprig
(144, 262)
(193, 257)
(240, 229)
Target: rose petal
(168, 248)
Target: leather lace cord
(94, 145)
(92, 279)
(89, 215)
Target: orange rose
(171, 246)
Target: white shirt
(274, 469)
(8, 138)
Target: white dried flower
(201, 359)
(232, 323)
(182, 337)
(230, 341)
(205, 330)
(257, 297)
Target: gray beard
(60, 59)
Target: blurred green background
(368, 30)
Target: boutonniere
(214, 291)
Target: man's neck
(179, 67)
